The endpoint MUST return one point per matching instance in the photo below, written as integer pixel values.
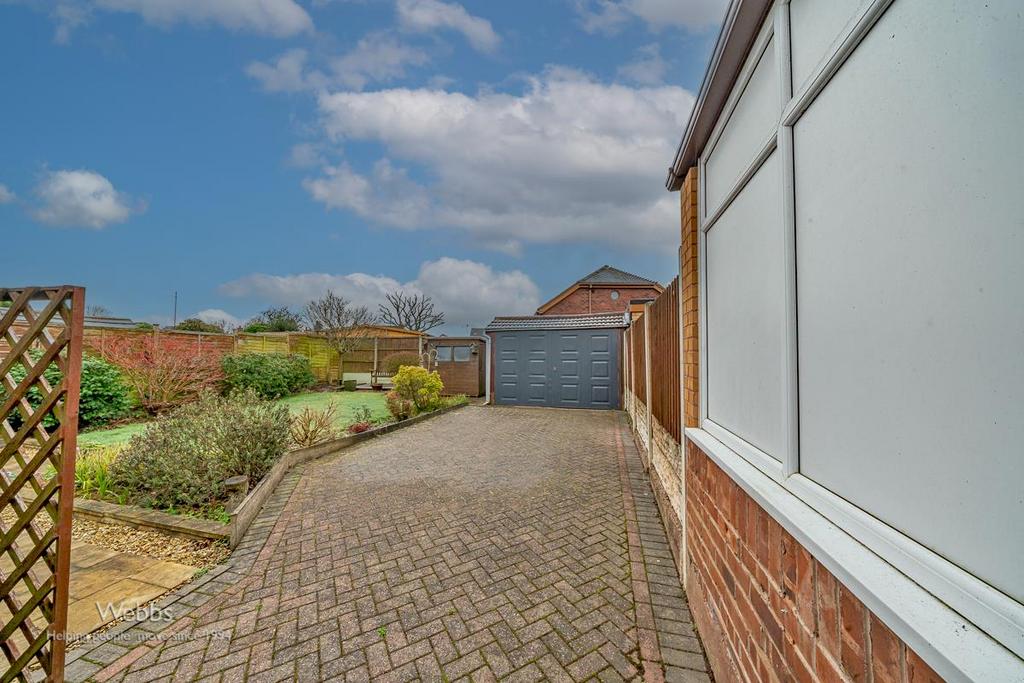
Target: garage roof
(588, 321)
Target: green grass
(347, 403)
(112, 436)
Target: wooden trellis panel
(38, 431)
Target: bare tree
(340, 323)
(98, 311)
(411, 311)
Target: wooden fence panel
(665, 369)
(274, 342)
(38, 431)
(639, 372)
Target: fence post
(627, 380)
(681, 341)
(647, 377)
(376, 341)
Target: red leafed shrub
(359, 427)
(161, 374)
(399, 407)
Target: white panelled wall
(862, 284)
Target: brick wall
(599, 300)
(774, 612)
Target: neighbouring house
(606, 290)
(559, 361)
(852, 463)
(461, 362)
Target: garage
(558, 361)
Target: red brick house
(606, 290)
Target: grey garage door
(558, 368)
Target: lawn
(347, 403)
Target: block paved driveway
(486, 543)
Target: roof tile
(559, 322)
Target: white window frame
(925, 626)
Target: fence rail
(38, 431)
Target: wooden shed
(461, 362)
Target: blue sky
(256, 153)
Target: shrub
(92, 471)
(104, 396)
(362, 420)
(398, 360)
(182, 460)
(363, 414)
(271, 375)
(418, 385)
(311, 426)
(163, 374)
(400, 408)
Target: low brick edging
(670, 649)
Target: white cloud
(377, 57)
(216, 316)
(387, 196)
(425, 16)
(648, 68)
(305, 155)
(610, 16)
(472, 293)
(469, 293)
(287, 73)
(568, 159)
(68, 17)
(279, 18)
(6, 194)
(82, 198)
